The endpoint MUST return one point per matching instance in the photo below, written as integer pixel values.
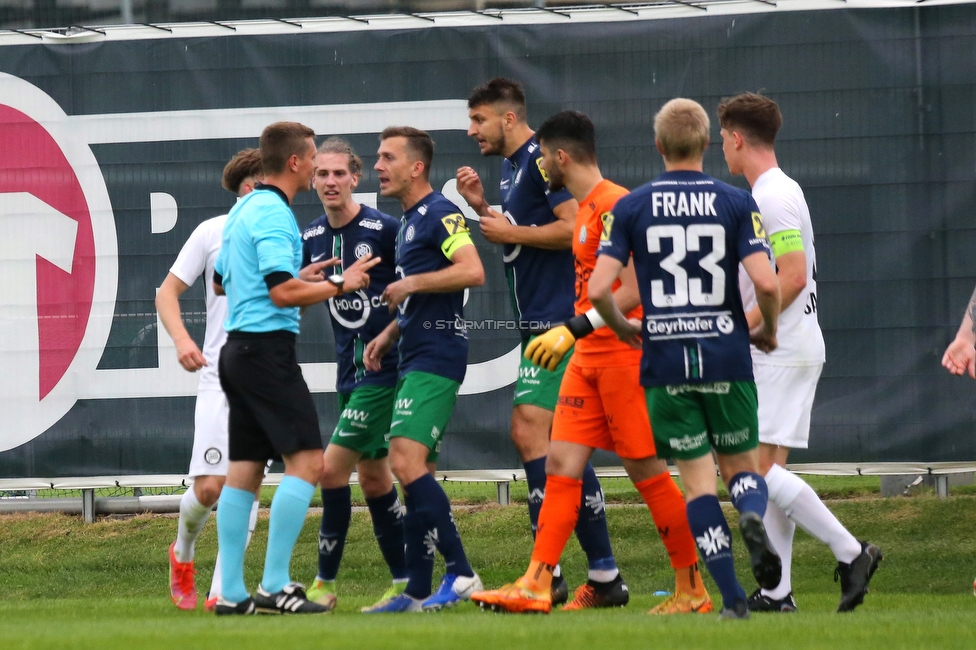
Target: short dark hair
(245, 163)
(500, 91)
(755, 116)
(280, 141)
(571, 131)
(419, 143)
(341, 146)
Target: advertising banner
(112, 154)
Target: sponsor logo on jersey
(352, 310)
(582, 235)
(682, 326)
(571, 402)
(715, 388)
(607, 220)
(372, 224)
(313, 232)
(757, 225)
(422, 210)
(454, 224)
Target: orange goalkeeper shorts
(604, 408)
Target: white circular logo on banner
(59, 259)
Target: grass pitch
(71, 585)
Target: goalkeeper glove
(548, 349)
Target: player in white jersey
(208, 462)
(786, 378)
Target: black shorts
(271, 409)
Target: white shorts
(785, 401)
(210, 435)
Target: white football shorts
(210, 435)
(785, 401)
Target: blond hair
(681, 130)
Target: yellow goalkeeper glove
(549, 348)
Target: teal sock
(288, 510)
(233, 514)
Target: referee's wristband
(584, 324)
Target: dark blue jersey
(540, 281)
(357, 317)
(688, 232)
(433, 336)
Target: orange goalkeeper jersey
(601, 348)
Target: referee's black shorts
(271, 410)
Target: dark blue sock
(387, 517)
(714, 540)
(535, 476)
(435, 508)
(591, 527)
(749, 493)
(418, 554)
(336, 512)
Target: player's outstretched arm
(315, 272)
(960, 356)
(168, 307)
(379, 346)
(464, 272)
(610, 305)
(295, 292)
(768, 297)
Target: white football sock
(804, 507)
(193, 515)
(252, 522)
(603, 575)
(779, 530)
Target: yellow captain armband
(454, 242)
(786, 241)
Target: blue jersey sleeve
(538, 175)
(274, 240)
(752, 234)
(615, 238)
(306, 253)
(448, 230)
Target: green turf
(68, 584)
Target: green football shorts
(538, 386)
(364, 421)
(424, 403)
(690, 419)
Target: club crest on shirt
(542, 170)
(212, 456)
(410, 233)
(362, 250)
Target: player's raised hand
(189, 355)
(356, 277)
(315, 272)
(549, 348)
(960, 358)
(470, 188)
